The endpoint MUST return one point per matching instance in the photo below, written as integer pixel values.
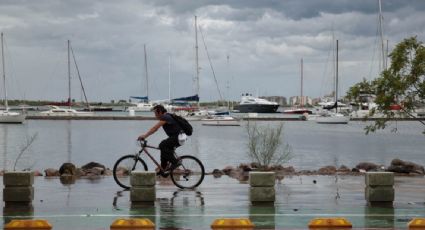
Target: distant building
(279, 99)
(298, 100)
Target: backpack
(183, 123)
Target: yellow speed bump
(329, 223)
(416, 223)
(28, 224)
(234, 223)
(132, 223)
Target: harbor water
(313, 145)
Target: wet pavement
(96, 203)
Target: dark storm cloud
(265, 40)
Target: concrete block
(18, 179)
(379, 178)
(379, 193)
(261, 179)
(18, 194)
(142, 179)
(262, 194)
(142, 194)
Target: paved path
(95, 204)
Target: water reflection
(143, 210)
(377, 217)
(23, 211)
(263, 215)
(174, 211)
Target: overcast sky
(264, 40)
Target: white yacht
(250, 104)
(58, 111)
(141, 107)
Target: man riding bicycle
(167, 146)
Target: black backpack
(183, 123)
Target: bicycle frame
(145, 146)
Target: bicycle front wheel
(123, 168)
(189, 174)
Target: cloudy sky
(254, 46)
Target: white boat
(220, 120)
(141, 107)
(144, 105)
(334, 117)
(5, 115)
(58, 111)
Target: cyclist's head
(159, 109)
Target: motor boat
(250, 104)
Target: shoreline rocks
(93, 170)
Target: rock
(121, 171)
(343, 169)
(399, 166)
(217, 173)
(51, 172)
(327, 170)
(227, 170)
(68, 169)
(288, 170)
(95, 171)
(37, 173)
(93, 165)
(245, 167)
(367, 166)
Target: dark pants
(167, 151)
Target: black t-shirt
(171, 128)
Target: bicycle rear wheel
(189, 174)
(123, 168)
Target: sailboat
(143, 105)
(334, 117)
(55, 110)
(301, 109)
(5, 115)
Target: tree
(265, 145)
(403, 84)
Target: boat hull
(12, 118)
(257, 108)
(332, 119)
(297, 111)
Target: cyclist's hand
(141, 138)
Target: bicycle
(189, 173)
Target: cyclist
(167, 146)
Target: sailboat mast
(336, 79)
(302, 99)
(146, 72)
(69, 75)
(196, 57)
(169, 78)
(381, 30)
(4, 74)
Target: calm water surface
(314, 145)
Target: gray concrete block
(142, 179)
(18, 179)
(379, 178)
(262, 194)
(261, 179)
(18, 194)
(379, 193)
(142, 194)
